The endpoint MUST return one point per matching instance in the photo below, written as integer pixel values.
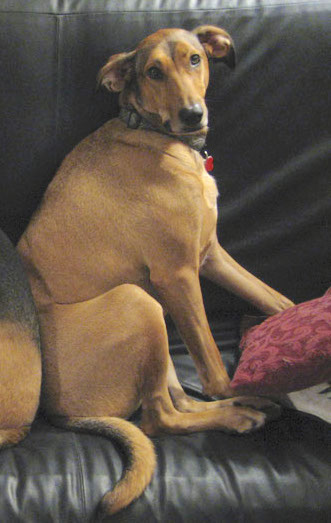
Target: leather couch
(269, 135)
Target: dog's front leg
(221, 268)
(180, 294)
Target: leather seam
(256, 8)
(80, 475)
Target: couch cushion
(57, 476)
(268, 119)
(281, 470)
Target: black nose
(191, 116)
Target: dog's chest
(209, 197)
(210, 192)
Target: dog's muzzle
(191, 116)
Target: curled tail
(137, 448)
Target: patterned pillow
(287, 352)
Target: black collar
(134, 120)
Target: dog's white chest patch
(210, 190)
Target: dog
(121, 235)
(20, 368)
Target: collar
(134, 120)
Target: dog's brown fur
(123, 231)
(20, 362)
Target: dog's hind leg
(96, 354)
(106, 356)
(160, 415)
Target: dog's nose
(191, 116)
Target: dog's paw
(279, 304)
(271, 409)
(241, 420)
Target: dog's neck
(134, 120)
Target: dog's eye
(155, 73)
(195, 59)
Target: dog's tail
(137, 449)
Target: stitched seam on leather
(254, 9)
(81, 483)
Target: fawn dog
(120, 237)
(20, 361)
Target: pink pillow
(287, 352)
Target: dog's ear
(217, 43)
(117, 72)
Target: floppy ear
(217, 43)
(117, 72)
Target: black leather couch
(269, 135)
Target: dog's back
(20, 369)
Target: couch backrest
(269, 119)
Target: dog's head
(165, 78)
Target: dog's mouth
(195, 136)
(196, 129)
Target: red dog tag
(209, 163)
